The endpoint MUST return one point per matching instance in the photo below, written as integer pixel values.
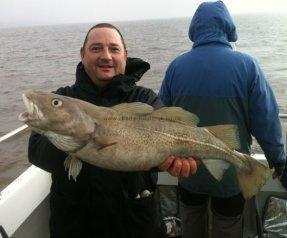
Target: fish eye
(56, 103)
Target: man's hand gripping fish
(135, 137)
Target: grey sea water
(45, 58)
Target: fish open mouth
(33, 112)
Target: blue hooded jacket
(223, 86)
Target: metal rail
(22, 128)
(283, 115)
(14, 132)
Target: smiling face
(103, 55)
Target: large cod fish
(135, 137)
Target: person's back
(221, 86)
(213, 81)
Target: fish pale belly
(115, 157)
(147, 145)
(124, 156)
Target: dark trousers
(226, 215)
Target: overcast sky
(39, 12)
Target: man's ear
(126, 54)
(82, 52)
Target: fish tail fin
(252, 178)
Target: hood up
(212, 23)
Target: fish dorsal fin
(216, 167)
(229, 134)
(137, 108)
(176, 114)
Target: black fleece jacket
(101, 203)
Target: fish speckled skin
(134, 137)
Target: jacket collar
(119, 84)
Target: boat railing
(13, 133)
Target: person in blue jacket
(221, 86)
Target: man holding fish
(101, 202)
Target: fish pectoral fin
(73, 165)
(104, 142)
(137, 108)
(176, 114)
(216, 167)
(229, 134)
